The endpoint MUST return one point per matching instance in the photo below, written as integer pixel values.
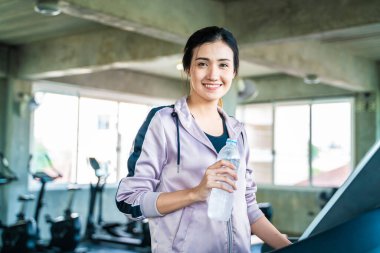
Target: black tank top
(219, 141)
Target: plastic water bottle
(220, 201)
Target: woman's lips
(212, 86)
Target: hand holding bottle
(220, 202)
(222, 175)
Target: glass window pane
(258, 124)
(331, 143)
(97, 138)
(55, 134)
(131, 117)
(291, 145)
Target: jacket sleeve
(136, 195)
(254, 212)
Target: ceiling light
(311, 79)
(47, 7)
(179, 66)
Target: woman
(173, 167)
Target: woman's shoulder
(161, 109)
(232, 120)
(157, 113)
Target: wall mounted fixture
(27, 102)
(47, 7)
(311, 79)
(247, 90)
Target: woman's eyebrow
(207, 59)
(202, 59)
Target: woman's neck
(202, 108)
(206, 115)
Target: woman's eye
(224, 65)
(202, 64)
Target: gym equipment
(65, 230)
(43, 178)
(133, 233)
(6, 174)
(267, 209)
(24, 235)
(21, 236)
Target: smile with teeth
(212, 86)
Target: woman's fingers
(226, 183)
(226, 171)
(222, 163)
(221, 181)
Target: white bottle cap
(231, 141)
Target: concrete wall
(365, 124)
(3, 91)
(16, 145)
(293, 208)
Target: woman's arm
(168, 202)
(269, 234)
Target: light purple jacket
(153, 169)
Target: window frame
(308, 102)
(87, 92)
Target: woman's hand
(221, 174)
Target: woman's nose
(213, 73)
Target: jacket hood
(181, 108)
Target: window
(331, 143)
(67, 129)
(300, 143)
(55, 136)
(259, 122)
(291, 140)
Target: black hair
(207, 35)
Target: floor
(116, 248)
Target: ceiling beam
(89, 52)
(284, 87)
(167, 20)
(278, 21)
(128, 82)
(333, 65)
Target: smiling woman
(211, 72)
(174, 167)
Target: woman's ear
(188, 72)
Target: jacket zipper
(229, 233)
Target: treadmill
(350, 221)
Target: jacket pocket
(184, 223)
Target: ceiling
(361, 41)
(21, 25)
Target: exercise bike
(133, 233)
(24, 235)
(21, 236)
(65, 230)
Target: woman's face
(211, 71)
